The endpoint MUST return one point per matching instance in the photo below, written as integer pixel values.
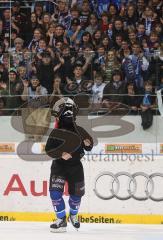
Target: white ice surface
(40, 231)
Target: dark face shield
(66, 110)
(68, 115)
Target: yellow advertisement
(84, 218)
(43, 148)
(161, 148)
(7, 148)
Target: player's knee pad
(74, 203)
(57, 183)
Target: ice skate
(59, 225)
(74, 220)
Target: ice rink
(40, 231)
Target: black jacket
(54, 143)
(45, 74)
(113, 94)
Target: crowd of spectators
(111, 50)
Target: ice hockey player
(66, 165)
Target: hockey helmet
(65, 107)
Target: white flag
(159, 100)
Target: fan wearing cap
(59, 36)
(14, 88)
(66, 165)
(113, 93)
(75, 32)
(33, 90)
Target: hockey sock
(74, 203)
(58, 203)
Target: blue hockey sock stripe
(61, 214)
(73, 212)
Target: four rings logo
(132, 190)
(123, 148)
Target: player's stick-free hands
(66, 156)
(87, 142)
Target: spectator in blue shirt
(75, 33)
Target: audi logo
(132, 190)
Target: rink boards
(84, 218)
(24, 192)
(123, 175)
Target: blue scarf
(146, 99)
(137, 66)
